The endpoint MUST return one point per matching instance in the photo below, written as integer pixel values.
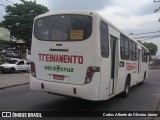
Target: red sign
(61, 58)
(58, 77)
(131, 66)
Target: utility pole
(157, 9)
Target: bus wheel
(127, 88)
(24, 71)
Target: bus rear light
(33, 69)
(89, 75)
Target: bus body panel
(46, 67)
(89, 91)
(69, 64)
(46, 70)
(61, 66)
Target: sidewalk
(15, 79)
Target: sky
(131, 16)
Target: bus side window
(133, 51)
(124, 44)
(144, 55)
(104, 40)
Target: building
(4, 38)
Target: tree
(19, 19)
(151, 47)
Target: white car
(15, 65)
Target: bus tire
(24, 71)
(125, 93)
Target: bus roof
(84, 12)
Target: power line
(148, 38)
(9, 1)
(144, 33)
(2, 5)
(3, 2)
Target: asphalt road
(144, 97)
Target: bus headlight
(89, 75)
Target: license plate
(58, 77)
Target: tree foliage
(19, 19)
(151, 47)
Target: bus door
(114, 65)
(139, 64)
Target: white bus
(80, 54)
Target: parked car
(151, 67)
(157, 67)
(13, 65)
(11, 54)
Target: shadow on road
(75, 104)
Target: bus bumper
(88, 91)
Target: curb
(10, 86)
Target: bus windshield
(63, 28)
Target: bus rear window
(63, 28)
